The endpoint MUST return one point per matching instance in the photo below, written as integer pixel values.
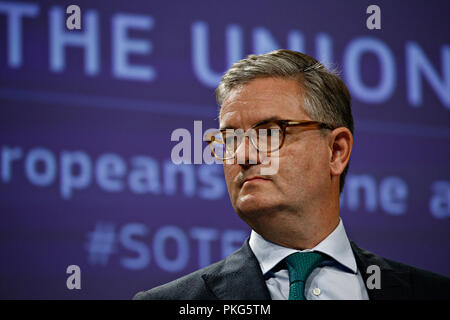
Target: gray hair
(326, 97)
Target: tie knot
(301, 264)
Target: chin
(250, 205)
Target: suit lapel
(239, 277)
(395, 284)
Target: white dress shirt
(335, 279)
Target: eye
(268, 131)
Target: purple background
(41, 232)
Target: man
(298, 248)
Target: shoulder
(418, 283)
(189, 287)
(237, 277)
(425, 283)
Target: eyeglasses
(266, 136)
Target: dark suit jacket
(239, 277)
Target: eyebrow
(257, 124)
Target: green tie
(300, 265)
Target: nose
(246, 153)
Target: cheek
(230, 172)
(304, 166)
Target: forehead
(260, 99)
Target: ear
(340, 146)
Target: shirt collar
(336, 245)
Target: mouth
(254, 180)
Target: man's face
(303, 174)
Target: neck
(297, 230)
